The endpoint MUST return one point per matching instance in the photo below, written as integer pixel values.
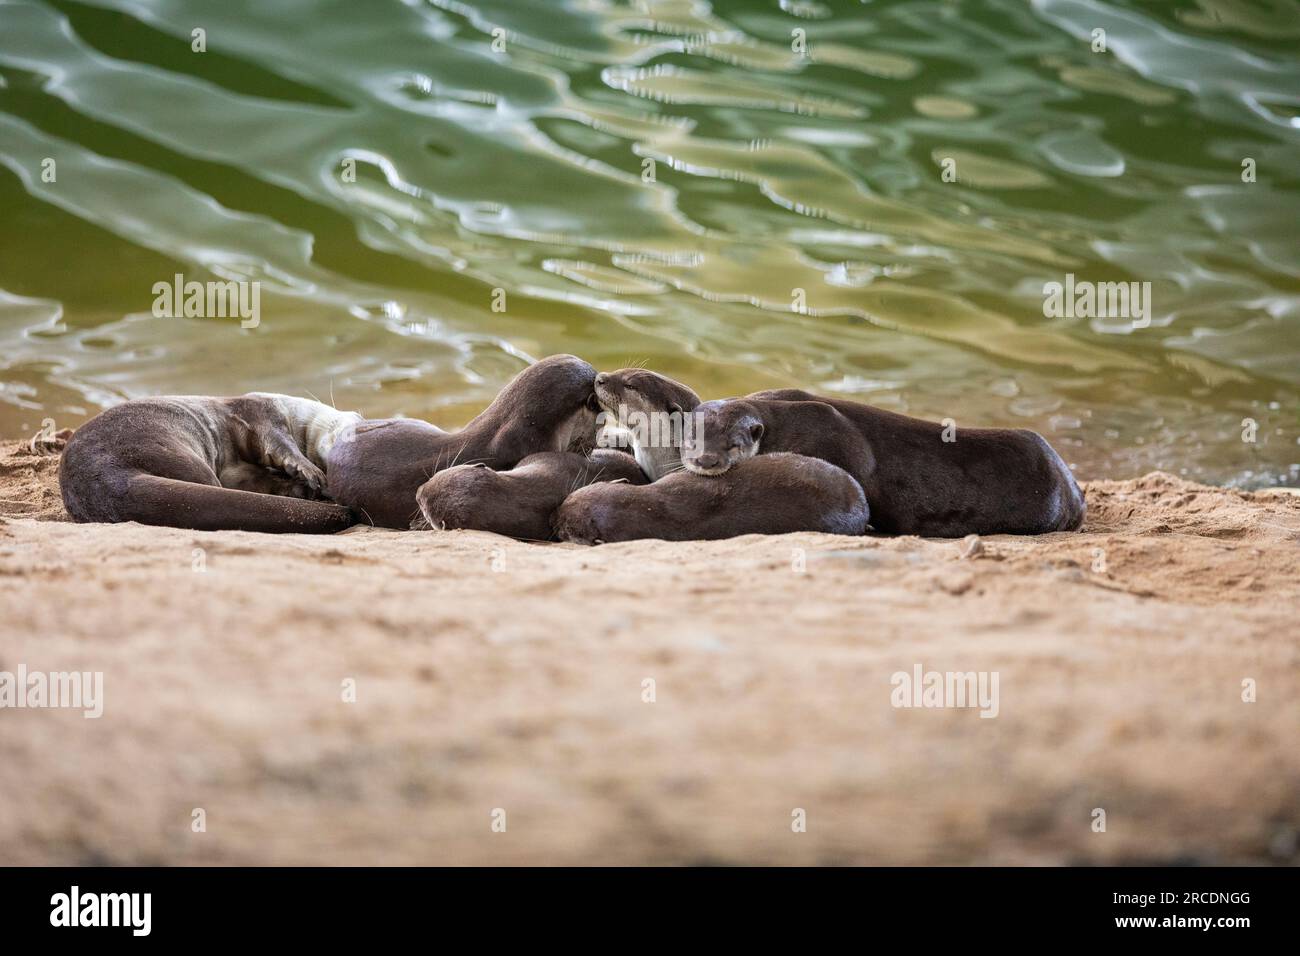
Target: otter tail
(150, 499)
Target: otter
(984, 481)
(378, 468)
(770, 494)
(520, 502)
(250, 463)
(648, 412)
(267, 462)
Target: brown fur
(210, 464)
(549, 406)
(770, 494)
(987, 481)
(520, 502)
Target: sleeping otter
(252, 463)
(770, 494)
(520, 502)
(983, 481)
(261, 462)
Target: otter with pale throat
(252, 463)
(773, 495)
(648, 412)
(983, 481)
(641, 411)
(262, 462)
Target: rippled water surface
(740, 194)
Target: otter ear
(593, 402)
(756, 431)
(674, 408)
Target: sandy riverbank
(495, 674)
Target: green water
(652, 182)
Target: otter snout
(726, 432)
(580, 516)
(707, 463)
(608, 391)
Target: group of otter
(536, 464)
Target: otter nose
(601, 378)
(708, 460)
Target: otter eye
(755, 432)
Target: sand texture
(492, 675)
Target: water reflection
(742, 194)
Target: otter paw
(307, 473)
(286, 486)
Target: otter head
(557, 398)
(646, 411)
(725, 432)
